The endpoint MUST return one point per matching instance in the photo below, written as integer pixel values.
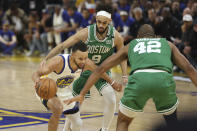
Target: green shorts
(80, 82)
(145, 85)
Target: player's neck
(73, 65)
(101, 36)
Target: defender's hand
(117, 86)
(124, 79)
(43, 63)
(78, 98)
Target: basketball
(46, 88)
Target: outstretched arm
(119, 42)
(82, 35)
(91, 66)
(106, 65)
(55, 64)
(184, 64)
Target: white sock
(76, 121)
(67, 124)
(109, 106)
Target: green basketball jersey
(99, 50)
(146, 53)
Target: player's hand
(117, 86)
(37, 85)
(78, 98)
(124, 80)
(43, 63)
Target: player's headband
(104, 13)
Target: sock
(109, 106)
(171, 119)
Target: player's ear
(110, 20)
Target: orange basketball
(46, 88)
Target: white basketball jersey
(64, 80)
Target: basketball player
(151, 77)
(101, 38)
(64, 69)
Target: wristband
(124, 76)
(112, 82)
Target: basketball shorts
(80, 83)
(145, 85)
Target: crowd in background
(33, 27)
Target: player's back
(146, 53)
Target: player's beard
(101, 32)
(78, 65)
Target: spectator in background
(153, 20)
(186, 11)
(116, 19)
(33, 36)
(175, 10)
(87, 4)
(139, 20)
(146, 6)
(76, 19)
(169, 27)
(60, 22)
(46, 25)
(193, 41)
(156, 6)
(135, 3)
(7, 39)
(123, 6)
(18, 20)
(127, 23)
(1, 17)
(87, 18)
(194, 10)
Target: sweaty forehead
(102, 18)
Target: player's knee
(57, 110)
(123, 119)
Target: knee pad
(74, 110)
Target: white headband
(104, 13)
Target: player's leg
(109, 105)
(56, 107)
(165, 98)
(133, 101)
(76, 121)
(123, 122)
(73, 120)
(67, 124)
(171, 119)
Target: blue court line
(14, 118)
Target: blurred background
(33, 27)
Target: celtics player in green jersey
(151, 77)
(101, 39)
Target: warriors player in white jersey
(63, 69)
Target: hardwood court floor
(20, 110)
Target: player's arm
(106, 65)
(183, 63)
(111, 61)
(54, 65)
(119, 43)
(91, 66)
(81, 35)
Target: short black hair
(105, 7)
(80, 46)
(146, 30)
